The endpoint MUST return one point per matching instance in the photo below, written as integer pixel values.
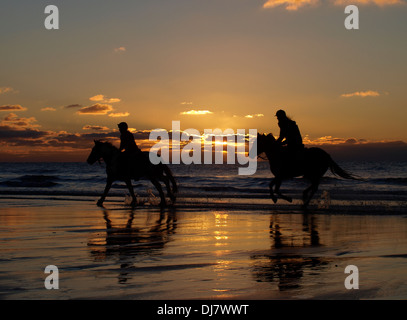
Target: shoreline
(331, 206)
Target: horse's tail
(169, 174)
(337, 170)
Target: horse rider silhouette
(128, 147)
(290, 137)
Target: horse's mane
(268, 136)
(107, 143)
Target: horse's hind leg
(131, 190)
(305, 197)
(273, 197)
(174, 184)
(170, 194)
(309, 193)
(169, 175)
(160, 191)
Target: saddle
(133, 162)
(293, 157)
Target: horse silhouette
(311, 163)
(118, 168)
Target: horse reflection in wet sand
(120, 168)
(287, 263)
(311, 163)
(124, 243)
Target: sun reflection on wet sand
(146, 253)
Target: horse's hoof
(274, 199)
(99, 203)
(289, 199)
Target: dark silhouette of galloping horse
(311, 163)
(117, 168)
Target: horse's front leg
(109, 183)
(131, 190)
(277, 190)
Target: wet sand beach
(197, 253)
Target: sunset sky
(207, 63)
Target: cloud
(102, 98)
(342, 149)
(120, 49)
(27, 144)
(73, 106)
(351, 141)
(327, 140)
(251, 116)
(30, 144)
(289, 4)
(362, 94)
(96, 109)
(48, 109)
(119, 114)
(4, 90)
(196, 112)
(379, 3)
(7, 132)
(15, 122)
(15, 107)
(293, 5)
(96, 128)
(98, 97)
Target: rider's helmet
(123, 125)
(281, 114)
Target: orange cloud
(96, 109)
(119, 114)
(15, 122)
(73, 106)
(120, 49)
(15, 107)
(196, 112)
(362, 94)
(251, 116)
(293, 5)
(104, 99)
(289, 4)
(6, 90)
(48, 109)
(96, 128)
(366, 2)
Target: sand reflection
(125, 242)
(285, 264)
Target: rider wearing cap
(290, 135)
(129, 150)
(127, 142)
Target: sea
(383, 185)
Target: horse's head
(95, 154)
(264, 143)
(102, 149)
